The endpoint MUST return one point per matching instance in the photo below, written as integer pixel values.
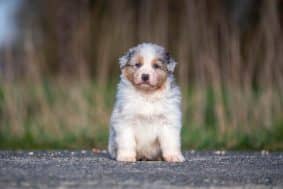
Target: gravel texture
(85, 169)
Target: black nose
(145, 77)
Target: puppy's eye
(155, 66)
(138, 65)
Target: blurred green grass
(75, 115)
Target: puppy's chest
(147, 110)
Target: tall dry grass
(59, 77)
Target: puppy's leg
(112, 147)
(169, 139)
(126, 145)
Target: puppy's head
(147, 66)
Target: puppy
(146, 120)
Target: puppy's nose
(145, 77)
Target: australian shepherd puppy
(146, 120)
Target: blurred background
(59, 69)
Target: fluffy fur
(146, 120)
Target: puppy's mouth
(145, 84)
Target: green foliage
(50, 115)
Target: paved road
(85, 169)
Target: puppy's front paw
(174, 157)
(126, 157)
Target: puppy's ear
(123, 61)
(171, 63)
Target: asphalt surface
(85, 169)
